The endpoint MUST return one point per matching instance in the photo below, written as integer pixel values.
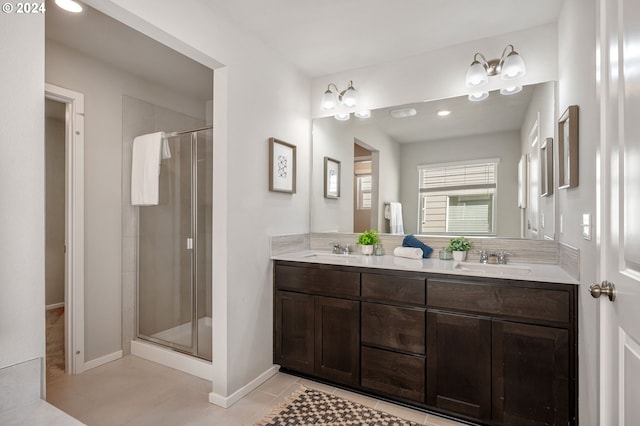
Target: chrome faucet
(502, 257)
(336, 248)
(484, 256)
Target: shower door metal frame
(191, 245)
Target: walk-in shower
(174, 249)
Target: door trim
(74, 225)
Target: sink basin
(493, 269)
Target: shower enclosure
(174, 249)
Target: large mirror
(476, 171)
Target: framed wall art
(282, 166)
(568, 148)
(331, 178)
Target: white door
(619, 335)
(533, 184)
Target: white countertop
(517, 271)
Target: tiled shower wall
(138, 118)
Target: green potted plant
(459, 246)
(367, 240)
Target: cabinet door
(294, 328)
(459, 364)
(337, 339)
(530, 374)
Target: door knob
(606, 288)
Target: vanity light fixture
(348, 97)
(69, 5)
(365, 113)
(509, 67)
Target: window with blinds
(458, 198)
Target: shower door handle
(189, 243)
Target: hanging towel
(166, 152)
(145, 169)
(411, 241)
(395, 218)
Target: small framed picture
(331, 178)
(282, 166)
(568, 148)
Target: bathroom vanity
(494, 348)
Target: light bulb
(513, 67)
(476, 75)
(328, 101)
(478, 96)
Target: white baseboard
(54, 306)
(228, 401)
(102, 360)
(185, 363)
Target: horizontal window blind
(458, 198)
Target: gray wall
(578, 86)
(505, 146)
(55, 203)
(104, 87)
(22, 189)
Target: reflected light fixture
(348, 97)
(512, 90)
(69, 5)
(403, 112)
(365, 113)
(509, 67)
(478, 96)
(443, 113)
(342, 116)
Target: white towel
(145, 169)
(395, 221)
(408, 252)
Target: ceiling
(329, 36)
(324, 37)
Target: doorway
(54, 143)
(362, 189)
(64, 256)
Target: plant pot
(367, 250)
(459, 256)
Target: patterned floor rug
(312, 407)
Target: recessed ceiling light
(403, 112)
(444, 113)
(69, 6)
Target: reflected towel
(408, 252)
(411, 241)
(166, 152)
(145, 169)
(395, 218)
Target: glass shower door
(165, 254)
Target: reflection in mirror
(440, 168)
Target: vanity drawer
(393, 374)
(520, 302)
(393, 288)
(393, 327)
(317, 280)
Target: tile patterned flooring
(134, 391)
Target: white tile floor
(133, 391)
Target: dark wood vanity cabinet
(502, 352)
(316, 333)
(496, 352)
